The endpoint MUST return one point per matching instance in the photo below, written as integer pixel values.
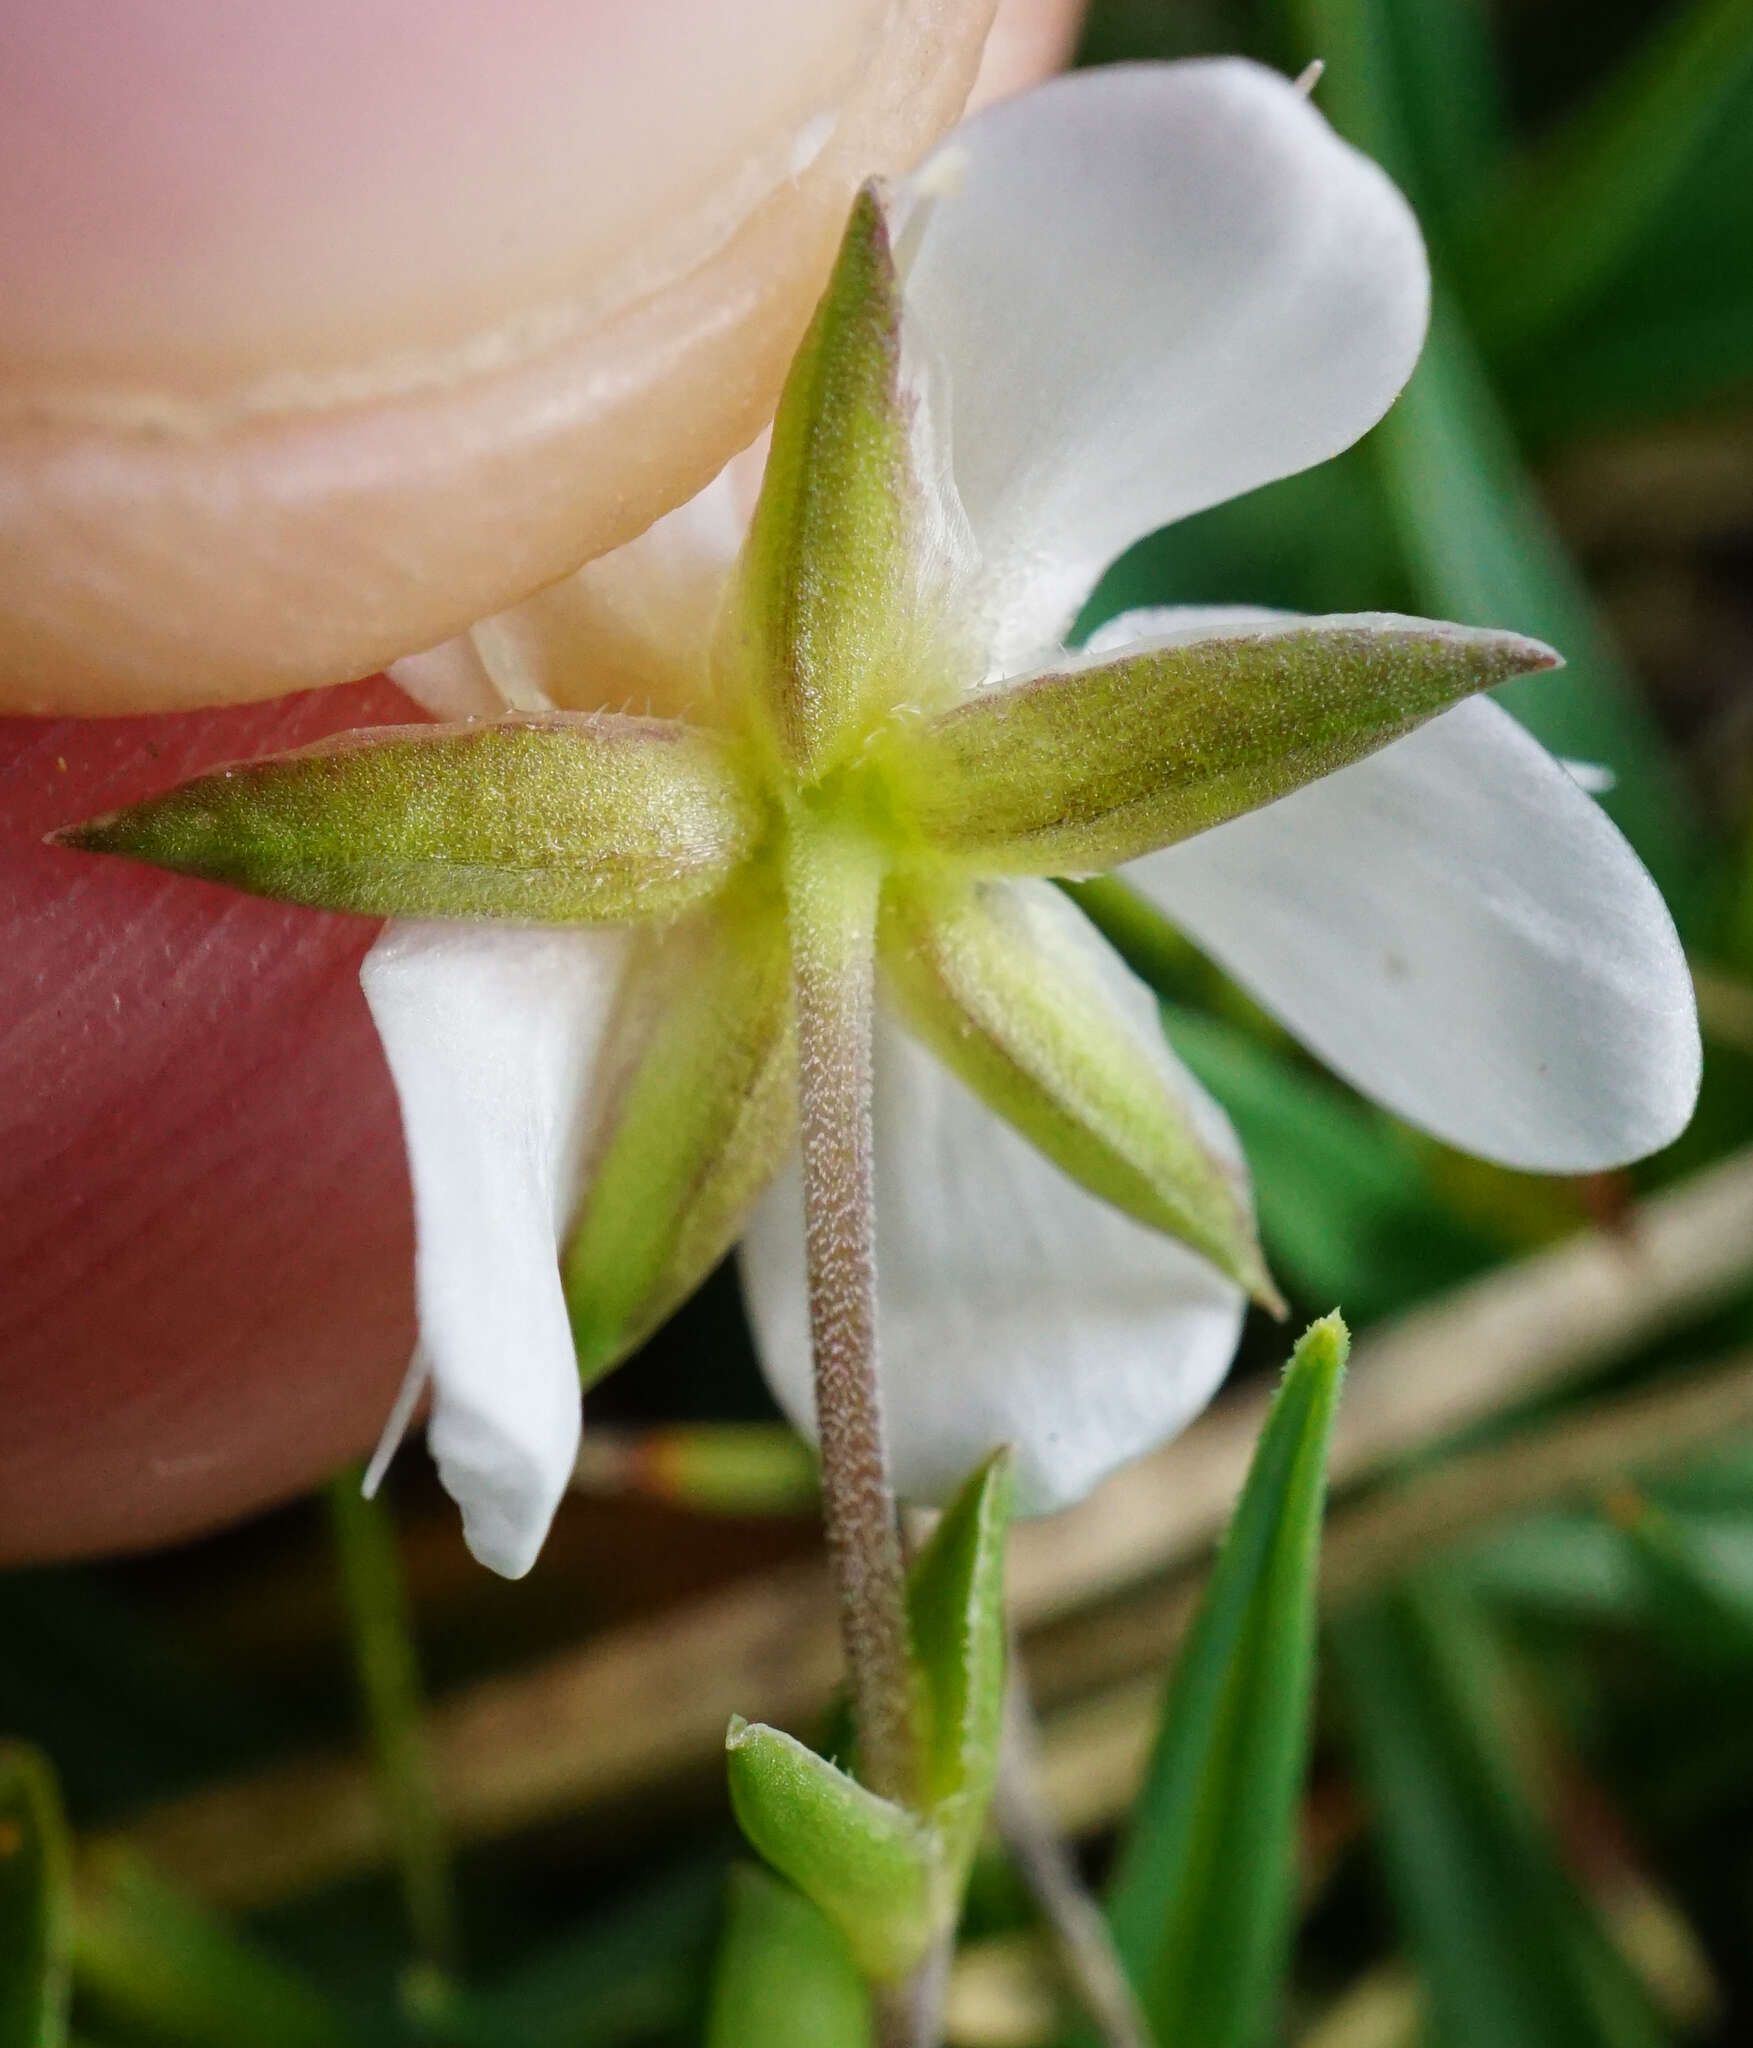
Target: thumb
(328, 330)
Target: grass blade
(1564, 222)
(1201, 1901)
(1511, 1955)
(157, 1964)
(631, 1975)
(36, 1908)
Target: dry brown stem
(641, 1705)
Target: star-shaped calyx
(848, 782)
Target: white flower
(1140, 292)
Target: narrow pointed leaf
(557, 820)
(1084, 767)
(1201, 1900)
(702, 1048)
(155, 1963)
(865, 1862)
(1510, 1954)
(818, 605)
(36, 1903)
(955, 1606)
(784, 1978)
(1008, 985)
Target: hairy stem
(832, 899)
(910, 2015)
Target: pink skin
(205, 1284)
(205, 1238)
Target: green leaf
(156, 1963)
(784, 1978)
(36, 1903)
(1675, 327)
(1084, 767)
(1201, 1899)
(1415, 87)
(1698, 1601)
(1560, 1566)
(564, 819)
(380, 1625)
(1318, 542)
(955, 1610)
(1481, 548)
(630, 1975)
(819, 631)
(867, 1863)
(1563, 222)
(704, 1043)
(1450, 101)
(1006, 983)
(1510, 1953)
(1640, 364)
(134, 1716)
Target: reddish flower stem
(832, 897)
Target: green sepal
(955, 1611)
(704, 1049)
(1005, 983)
(36, 1903)
(1202, 1898)
(817, 633)
(1081, 768)
(871, 1867)
(784, 1978)
(571, 818)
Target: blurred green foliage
(1552, 1722)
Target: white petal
(1176, 625)
(629, 631)
(449, 680)
(491, 1035)
(1460, 931)
(1154, 287)
(1012, 1307)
